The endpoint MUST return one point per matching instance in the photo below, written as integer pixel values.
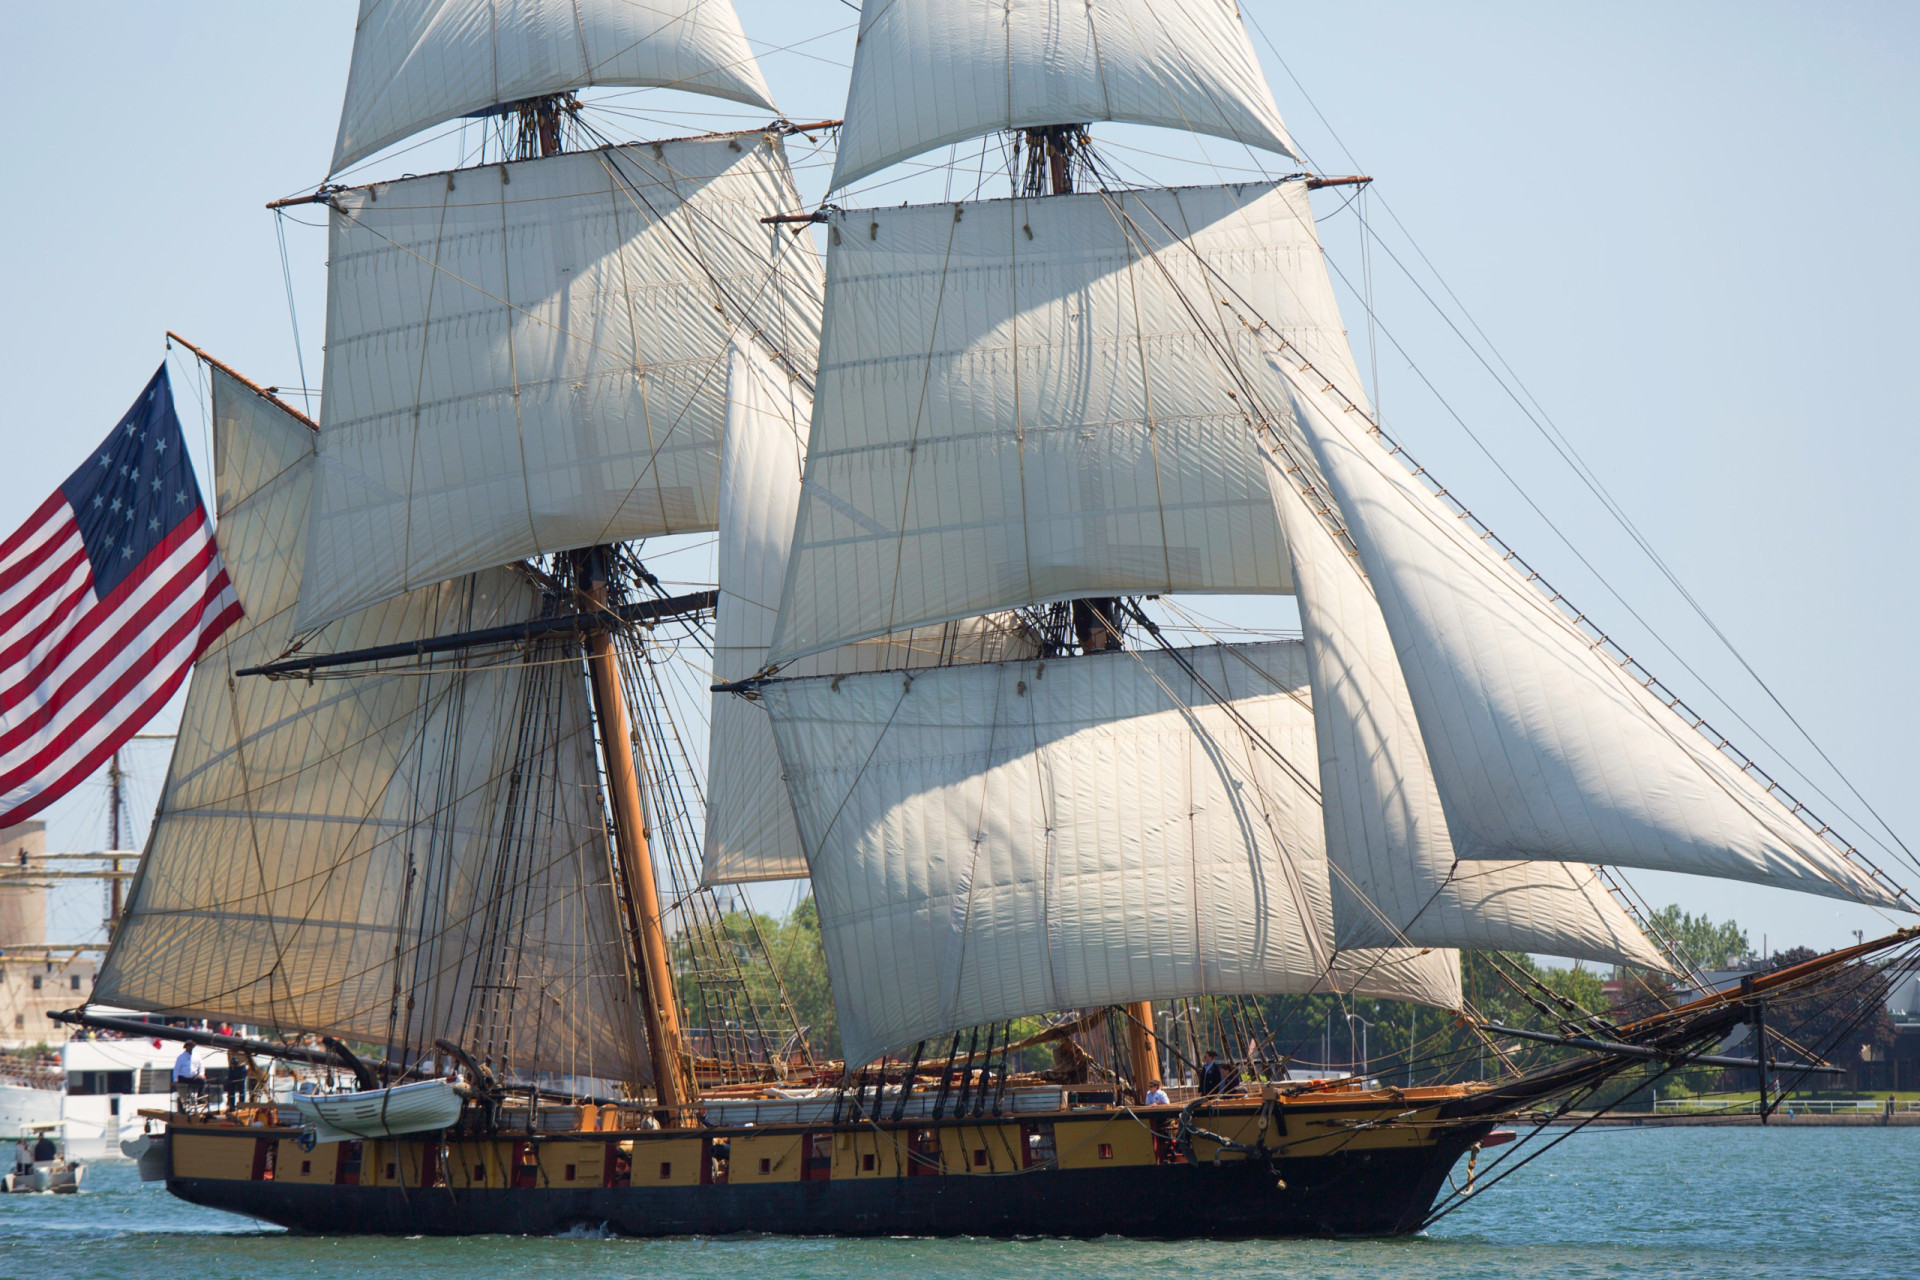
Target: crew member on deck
(189, 1075)
(1213, 1076)
(44, 1150)
(1156, 1096)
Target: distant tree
(771, 955)
(1838, 1017)
(1709, 945)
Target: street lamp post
(1364, 1026)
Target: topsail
(1024, 400)
(531, 357)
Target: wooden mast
(671, 1081)
(1144, 1047)
(1095, 620)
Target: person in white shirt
(1157, 1096)
(189, 1074)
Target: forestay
(750, 834)
(383, 857)
(930, 72)
(1395, 877)
(1543, 747)
(417, 63)
(529, 357)
(1025, 400)
(996, 840)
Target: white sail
(529, 357)
(376, 856)
(1395, 878)
(1541, 746)
(1024, 400)
(994, 840)
(750, 832)
(930, 72)
(418, 63)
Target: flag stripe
(50, 750)
(18, 549)
(38, 615)
(85, 633)
(49, 554)
(42, 792)
(108, 646)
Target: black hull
(1361, 1193)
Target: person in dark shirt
(1213, 1076)
(44, 1150)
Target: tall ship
(436, 820)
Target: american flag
(107, 595)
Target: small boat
(379, 1113)
(56, 1174)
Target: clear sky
(1688, 228)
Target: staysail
(1541, 746)
(417, 63)
(1395, 877)
(750, 832)
(930, 72)
(389, 857)
(531, 357)
(1024, 400)
(989, 841)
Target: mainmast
(672, 1083)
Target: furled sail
(1541, 746)
(417, 63)
(528, 357)
(750, 831)
(1395, 878)
(389, 857)
(1025, 400)
(930, 72)
(994, 840)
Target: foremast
(1051, 153)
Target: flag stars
(153, 523)
(126, 552)
(116, 504)
(161, 444)
(98, 502)
(156, 484)
(180, 496)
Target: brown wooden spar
(672, 1083)
(1144, 1047)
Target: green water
(1747, 1204)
